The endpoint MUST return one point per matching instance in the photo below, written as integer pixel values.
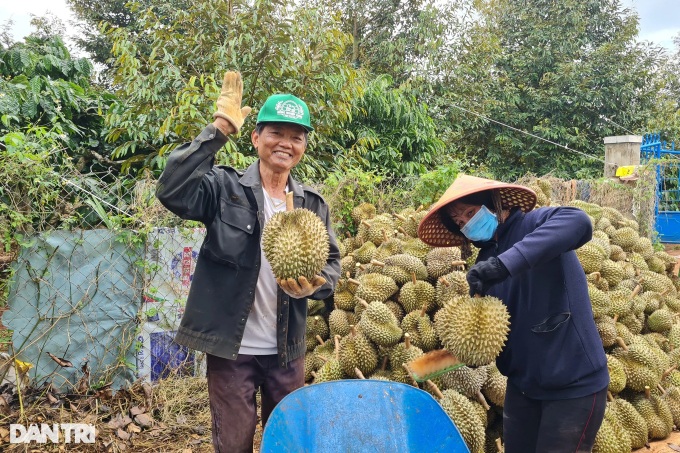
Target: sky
(659, 19)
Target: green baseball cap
(285, 108)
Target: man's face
(280, 146)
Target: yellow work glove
(229, 102)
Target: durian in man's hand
(295, 242)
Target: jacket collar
(515, 213)
(251, 178)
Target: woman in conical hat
(553, 359)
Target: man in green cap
(251, 326)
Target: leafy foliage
(391, 131)
(167, 95)
(42, 85)
(388, 37)
(569, 72)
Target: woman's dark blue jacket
(553, 350)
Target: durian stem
(616, 317)
(610, 397)
(661, 389)
(399, 216)
(359, 374)
(499, 445)
(423, 310)
(407, 340)
(458, 263)
(362, 302)
(313, 373)
(413, 277)
(337, 347)
(377, 263)
(621, 343)
(648, 392)
(352, 330)
(383, 365)
(668, 371)
(420, 208)
(637, 290)
(482, 400)
(366, 223)
(353, 281)
(319, 339)
(402, 231)
(597, 276)
(290, 205)
(444, 282)
(435, 389)
(384, 235)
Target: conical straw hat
(433, 231)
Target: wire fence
(95, 272)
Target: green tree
(167, 95)
(569, 72)
(391, 131)
(388, 36)
(665, 118)
(42, 85)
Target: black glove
(485, 274)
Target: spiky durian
(357, 351)
(495, 386)
(442, 260)
(374, 286)
(416, 294)
(617, 374)
(364, 211)
(296, 244)
(591, 257)
(450, 286)
(474, 329)
(379, 324)
(463, 413)
(632, 421)
(339, 321)
(316, 326)
(418, 324)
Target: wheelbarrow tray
(360, 415)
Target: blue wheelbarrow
(360, 415)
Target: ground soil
(674, 250)
(669, 445)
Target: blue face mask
(481, 226)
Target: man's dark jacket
(554, 350)
(231, 205)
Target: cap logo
(289, 109)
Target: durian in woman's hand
(296, 243)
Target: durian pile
(399, 298)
